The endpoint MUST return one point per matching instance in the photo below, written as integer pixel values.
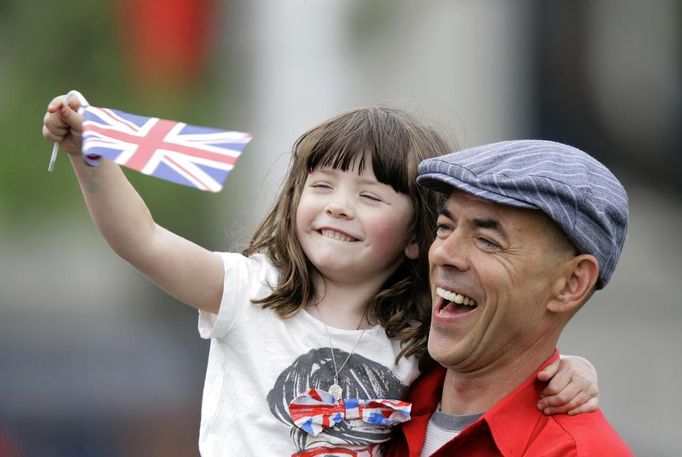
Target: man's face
(493, 268)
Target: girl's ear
(575, 284)
(412, 250)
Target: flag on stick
(185, 154)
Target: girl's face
(353, 228)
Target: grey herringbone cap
(580, 194)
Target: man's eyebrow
(490, 224)
(445, 212)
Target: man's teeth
(336, 235)
(455, 297)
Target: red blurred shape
(166, 40)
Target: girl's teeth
(336, 235)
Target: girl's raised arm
(188, 272)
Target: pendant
(336, 391)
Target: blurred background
(95, 361)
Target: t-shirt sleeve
(246, 279)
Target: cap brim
(445, 184)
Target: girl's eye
(372, 197)
(320, 185)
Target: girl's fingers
(51, 136)
(581, 403)
(578, 395)
(61, 123)
(54, 124)
(72, 118)
(558, 383)
(550, 370)
(591, 405)
(572, 386)
(55, 104)
(563, 396)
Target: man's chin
(445, 353)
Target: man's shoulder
(580, 435)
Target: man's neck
(477, 391)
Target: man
(530, 229)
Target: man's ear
(412, 250)
(575, 284)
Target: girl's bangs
(389, 151)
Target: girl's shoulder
(254, 263)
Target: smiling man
(529, 231)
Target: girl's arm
(188, 272)
(573, 387)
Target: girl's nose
(338, 209)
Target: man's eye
(442, 229)
(487, 244)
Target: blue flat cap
(580, 194)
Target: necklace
(335, 389)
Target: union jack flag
(185, 154)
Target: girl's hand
(572, 389)
(63, 125)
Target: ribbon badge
(317, 410)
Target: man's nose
(451, 251)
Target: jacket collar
(512, 422)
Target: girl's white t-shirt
(258, 363)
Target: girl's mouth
(336, 235)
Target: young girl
(329, 300)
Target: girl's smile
(336, 235)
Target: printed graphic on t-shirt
(360, 378)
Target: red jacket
(513, 427)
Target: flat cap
(575, 190)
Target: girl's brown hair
(396, 143)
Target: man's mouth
(335, 235)
(452, 303)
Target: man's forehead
(461, 198)
(464, 204)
